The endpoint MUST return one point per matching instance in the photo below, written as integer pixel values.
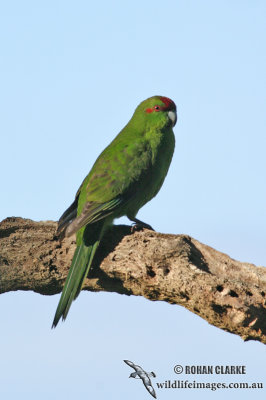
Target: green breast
(161, 148)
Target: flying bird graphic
(143, 375)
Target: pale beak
(173, 117)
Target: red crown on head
(169, 104)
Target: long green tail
(79, 269)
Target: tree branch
(173, 268)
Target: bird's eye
(154, 108)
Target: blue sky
(72, 74)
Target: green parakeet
(126, 175)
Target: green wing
(92, 212)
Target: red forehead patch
(169, 104)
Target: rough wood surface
(173, 268)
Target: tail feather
(78, 283)
(78, 272)
(78, 287)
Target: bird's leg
(138, 225)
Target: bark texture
(174, 268)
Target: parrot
(125, 176)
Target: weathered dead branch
(173, 268)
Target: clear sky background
(72, 74)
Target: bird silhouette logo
(143, 375)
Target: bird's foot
(139, 225)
